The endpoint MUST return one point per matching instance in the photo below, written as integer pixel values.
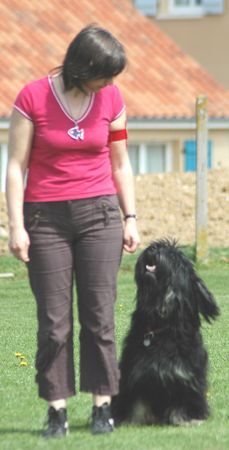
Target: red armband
(117, 135)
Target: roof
(161, 81)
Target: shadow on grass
(3, 431)
(19, 431)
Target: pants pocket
(107, 208)
(32, 215)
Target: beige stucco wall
(221, 151)
(205, 38)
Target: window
(186, 7)
(3, 164)
(179, 8)
(185, 3)
(147, 7)
(150, 158)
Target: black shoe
(57, 423)
(101, 419)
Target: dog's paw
(180, 418)
(193, 422)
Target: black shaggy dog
(164, 363)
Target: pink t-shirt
(62, 167)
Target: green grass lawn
(21, 412)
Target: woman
(68, 129)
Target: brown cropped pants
(77, 240)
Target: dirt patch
(166, 207)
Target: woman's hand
(131, 238)
(19, 243)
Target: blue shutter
(147, 7)
(209, 154)
(190, 155)
(213, 6)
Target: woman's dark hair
(94, 53)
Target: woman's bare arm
(20, 138)
(123, 178)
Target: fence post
(201, 179)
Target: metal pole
(201, 179)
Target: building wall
(205, 38)
(221, 154)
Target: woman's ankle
(58, 404)
(99, 400)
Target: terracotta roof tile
(161, 81)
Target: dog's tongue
(151, 268)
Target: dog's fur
(164, 363)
